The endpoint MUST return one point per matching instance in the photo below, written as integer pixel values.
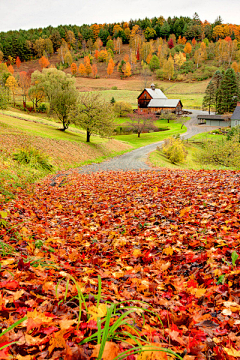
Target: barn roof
(168, 103)
(236, 113)
(156, 94)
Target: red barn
(154, 100)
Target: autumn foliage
(168, 238)
(44, 62)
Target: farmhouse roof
(168, 103)
(236, 113)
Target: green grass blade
(14, 325)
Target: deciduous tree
(44, 62)
(141, 122)
(127, 70)
(60, 90)
(110, 67)
(24, 84)
(188, 48)
(94, 115)
(81, 69)
(73, 69)
(18, 62)
(12, 84)
(168, 68)
(94, 70)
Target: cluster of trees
(33, 43)
(90, 111)
(222, 92)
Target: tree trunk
(88, 136)
(139, 134)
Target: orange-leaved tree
(44, 62)
(94, 70)
(110, 67)
(11, 69)
(73, 69)
(188, 48)
(81, 69)
(18, 62)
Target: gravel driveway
(136, 159)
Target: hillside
(62, 150)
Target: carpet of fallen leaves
(168, 238)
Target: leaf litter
(164, 245)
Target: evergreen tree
(228, 92)
(217, 79)
(209, 97)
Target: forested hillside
(180, 49)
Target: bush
(41, 108)
(222, 152)
(114, 88)
(160, 74)
(122, 108)
(34, 158)
(174, 150)
(187, 67)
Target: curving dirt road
(136, 159)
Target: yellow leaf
(136, 252)
(155, 190)
(111, 350)
(97, 312)
(232, 352)
(7, 261)
(3, 214)
(198, 292)
(168, 251)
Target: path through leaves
(169, 239)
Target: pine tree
(228, 92)
(209, 97)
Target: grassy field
(159, 160)
(64, 150)
(146, 139)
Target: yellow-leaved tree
(127, 70)
(12, 85)
(168, 68)
(81, 69)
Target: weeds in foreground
(114, 323)
(34, 158)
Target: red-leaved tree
(141, 122)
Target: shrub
(234, 133)
(114, 88)
(122, 108)
(160, 74)
(222, 152)
(187, 66)
(34, 158)
(174, 150)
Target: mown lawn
(148, 138)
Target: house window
(145, 96)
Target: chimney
(152, 86)
(238, 103)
